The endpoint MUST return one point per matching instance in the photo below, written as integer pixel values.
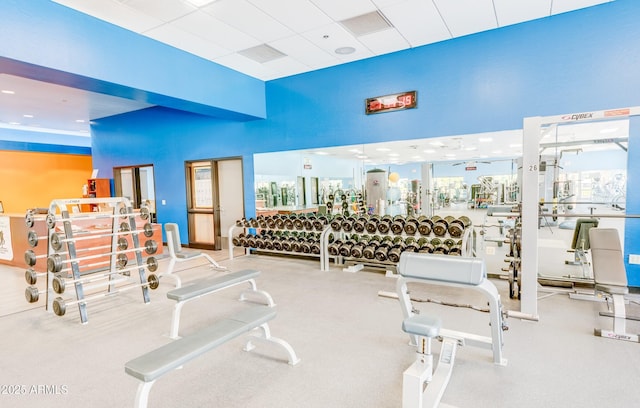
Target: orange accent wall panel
(30, 179)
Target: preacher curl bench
(442, 270)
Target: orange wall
(29, 180)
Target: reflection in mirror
(136, 183)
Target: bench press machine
(442, 270)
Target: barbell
(59, 283)
(60, 304)
(31, 276)
(51, 218)
(55, 261)
(57, 242)
(30, 257)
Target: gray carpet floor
(349, 339)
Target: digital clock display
(390, 103)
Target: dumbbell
(425, 225)
(347, 224)
(385, 224)
(359, 224)
(60, 304)
(397, 226)
(457, 226)
(411, 226)
(372, 224)
(320, 222)
(369, 251)
(336, 222)
(440, 226)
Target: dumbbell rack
(467, 247)
(120, 208)
(321, 256)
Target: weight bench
(151, 366)
(442, 270)
(179, 254)
(610, 278)
(206, 286)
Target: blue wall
(579, 61)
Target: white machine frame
(530, 172)
(456, 272)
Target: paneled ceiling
(270, 39)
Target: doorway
(215, 200)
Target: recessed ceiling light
(14, 123)
(321, 153)
(362, 156)
(451, 155)
(27, 115)
(383, 149)
(436, 143)
(80, 120)
(8, 92)
(485, 139)
(429, 151)
(609, 130)
(416, 157)
(470, 149)
(394, 154)
(355, 151)
(345, 50)
(496, 151)
(513, 145)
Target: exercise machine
(454, 272)
(611, 281)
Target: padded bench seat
(208, 285)
(151, 366)
(211, 285)
(158, 362)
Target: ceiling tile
(331, 37)
(165, 10)
(298, 15)
(459, 19)
(206, 26)
(178, 38)
(384, 42)
(418, 21)
(304, 51)
(254, 22)
(510, 12)
(341, 9)
(115, 13)
(562, 6)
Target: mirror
(137, 184)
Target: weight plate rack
(88, 268)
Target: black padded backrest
(607, 257)
(581, 233)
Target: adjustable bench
(178, 254)
(210, 285)
(149, 367)
(610, 278)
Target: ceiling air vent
(262, 53)
(366, 23)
